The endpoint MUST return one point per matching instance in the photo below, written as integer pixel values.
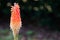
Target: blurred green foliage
(6, 34)
(29, 32)
(41, 12)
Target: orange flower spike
(15, 21)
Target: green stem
(15, 35)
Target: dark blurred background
(38, 16)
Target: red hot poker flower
(15, 21)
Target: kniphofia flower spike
(15, 20)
